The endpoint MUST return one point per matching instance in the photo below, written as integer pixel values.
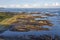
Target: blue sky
(30, 3)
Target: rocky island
(24, 21)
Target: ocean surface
(55, 30)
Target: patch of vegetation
(4, 15)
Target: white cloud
(52, 5)
(26, 6)
(21, 6)
(0, 5)
(34, 5)
(56, 4)
(18, 6)
(30, 6)
(46, 4)
(12, 5)
(5, 6)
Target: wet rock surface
(27, 22)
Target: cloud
(52, 5)
(5, 6)
(56, 4)
(14, 6)
(46, 4)
(31, 6)
(26, 6)
(34, 5)
(18, 6)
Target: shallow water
(53, 30)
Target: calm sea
(55, 20)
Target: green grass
(4, 15)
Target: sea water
(55, 30)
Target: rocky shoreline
(26, 21)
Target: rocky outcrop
(27, 22)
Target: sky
(30, 3)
